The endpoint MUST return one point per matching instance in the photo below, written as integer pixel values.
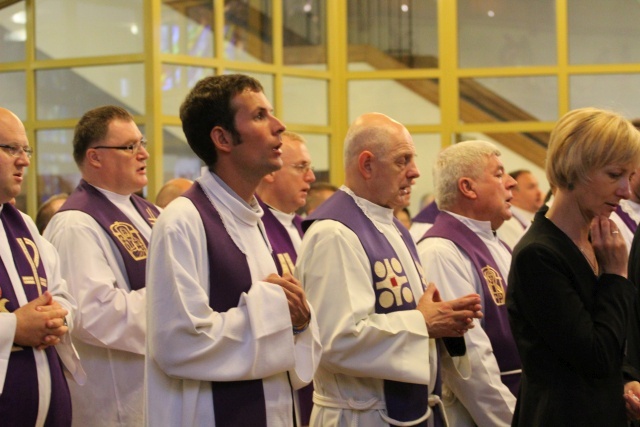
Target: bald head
(372, 132)
(379, 160)
(12, 173)
(8, 118)
(171, 190)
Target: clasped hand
(298, 307)
(40, 323)
(448, 318)
(609, 246)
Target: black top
(570, 328)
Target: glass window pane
(318, 146)
(603, 32)
(177, 81)
(618, 92)
(266, 80)
(247, 31)
(13, 32)
(69, 93)
(508, 99)
(78, 28)
(411, 102)
(57, 171)
(393, 34)
(296, 109)
(427, 148)
(506, 33)
(14, 95)
(305, 33)
(187, 28)
(178, 159)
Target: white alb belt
(372, 404)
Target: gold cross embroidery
(152, 216)
(34, 262)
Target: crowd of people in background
(258, 296)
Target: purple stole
(633, 226)
(283, 251)
(285, 257)
(235, 403)
(129, 241)
(19, 399)
(428, 214)
(405, 401)
(495, 321)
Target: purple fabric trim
(495, 321)
(633, 226)
(19, 400)
(405, 401)
(428, 214)
(281, 244)
(235, 403)
(279, 238)
(87, 199)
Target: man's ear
(466, 186)
(92, 158)
(221, 139)
(365, 164)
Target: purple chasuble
(129, 241)
(285, 256)
(405, 401)
(495, 321)
(235, 403)
(633, 226)
(283, 251)
(20, 396)
(428, 214)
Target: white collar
(481, 228)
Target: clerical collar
(232, 193)
(376, 213)
(481, 228)
(283, 217)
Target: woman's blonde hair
(587, 139)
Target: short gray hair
(457, 161)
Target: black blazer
(570, 329)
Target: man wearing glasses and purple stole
(36, 312)
(101, 233)
(229, 339)
(280, 195)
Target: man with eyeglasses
(101, 233)
(229, 339)
(36, 311)
(281, 194)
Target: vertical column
(448, 63)
(153, 95)
(337, 60)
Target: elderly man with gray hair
(462, 253)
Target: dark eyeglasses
(17, 150)
(132, 148)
